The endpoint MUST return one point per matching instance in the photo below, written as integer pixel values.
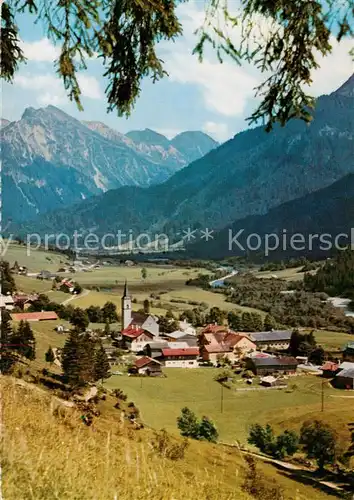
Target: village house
(6, 302)
(215, 329)
(35, 316)
(268, 366)
(224, 344)
(24, 300)
(136, 338)
(180, 358)
(154, 349)
(276, 339)
(67, 285)
(179, 336)
(186, 327)
(46, 275)
(148, 366)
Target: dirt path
(74, 297)
(288, 466)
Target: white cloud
(219, 131)
(227, 88)
(89, 86)
(334, 69)
(40, 50)
(50, 88)
(43, 50)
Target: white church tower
(126, 308)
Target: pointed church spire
(126, 292)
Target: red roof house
(136, 338)
(133, 332)
(34, 316)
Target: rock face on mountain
(248, 175)
(52, 160)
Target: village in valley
(152, 343)
(168, 337)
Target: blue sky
(196, 96)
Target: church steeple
(126, 292)
(126, 307)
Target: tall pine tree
(25, 341)
(8, 357)
(78, 359)
(101, 367)
(8, 285)
(49, 356)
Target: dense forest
(293, 308)
(336, 277)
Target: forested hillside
(336, 277)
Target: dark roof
(271, 336)
(139, 318)
(284, 361)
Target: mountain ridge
(52, 160)
(328, 211)
(246, 176)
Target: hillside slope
(248, 175)
(55, 456)
(328, 211)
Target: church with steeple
(126, 307)
(137, 320)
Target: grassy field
(169, 285)
(28, 284)
(158, 277)
(332, 340)
(46, 337)
(291, 274)
(34, 260)
(166, 281)
(161, 400)
(58, 457)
